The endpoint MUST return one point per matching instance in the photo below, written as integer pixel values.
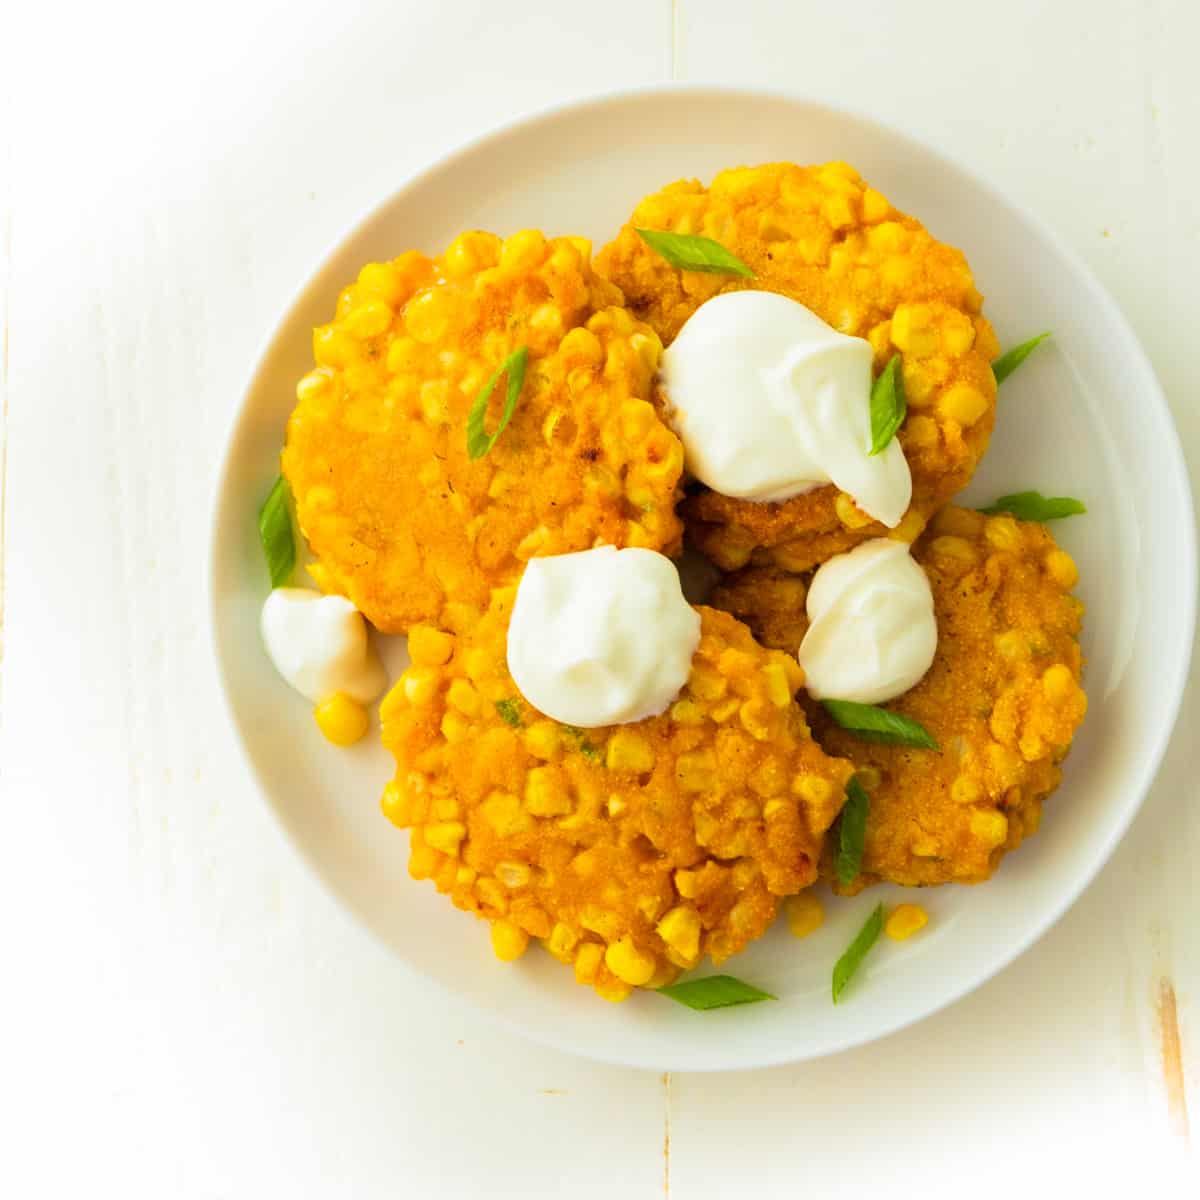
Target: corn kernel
(445, 836)
(367, 320)
(509, 941)
(707, 685)
(990, 827)
(455, 729)
(609, 987)
(546, 793)
(680, 929)
(950, 546)
(1060, 566)
(429, 647)
(813, 789)
(687, 712)
(805, 914)
(921, 432)
(628, 963)
(1059, 684)
(587, 961)
(513, 874)
(964, 404)
(342, 720)
(1013, 645)
(462, 696)
(848, 513)
(522, 252)
(875, 205)
(904, 920)
(965, 790)
(629, 751)
(562, 940)
(779, 691)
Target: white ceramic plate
(1084, 417)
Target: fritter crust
(824, 237)
(1002, 699)
(631, 850)
(401, 521)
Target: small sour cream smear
(602, 637)
(873, 632)
(770, 401)
(319, 644)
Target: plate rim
(1168, 439)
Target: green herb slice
(510, 712)
(1010, 360)
(852, 832)
(275, 531)
(888, 406)
(714, 991)
(875, 724)
(1033, 506)
(479, 441)
(851, 960)
(691, 252)
(582, 744)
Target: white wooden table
(184, 1012)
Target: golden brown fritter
(1002, 698)
(401, 520)
(631, 850)
(822, 236)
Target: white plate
(1084, 417)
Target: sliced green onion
(582, 744)
(851, 960)
(1010, 360)
(275, 530)
(875, 724)
(691, 252)
(888, 406)
(479, 441)
(510, 712)
(852, 832)
(714, 991)
(1033, 506)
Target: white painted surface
(185, 1012)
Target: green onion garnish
(888, 406)
(714, 991)
(580, 738)
(875, 724)
(510, 712)
(1010, 360)
(275, 530)
(479, 441)
(851, 960)
(691, 252)
(852, 832)
(1033, 506)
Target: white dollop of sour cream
(873, 632)
(770, 401)
(319, 644)
(601, 637)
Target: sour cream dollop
(601, 637)
(873, 633)
(319, 644)
(770, 401)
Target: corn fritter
(401, 520)
(630, 851)
(1002, 698)
(822, 236)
